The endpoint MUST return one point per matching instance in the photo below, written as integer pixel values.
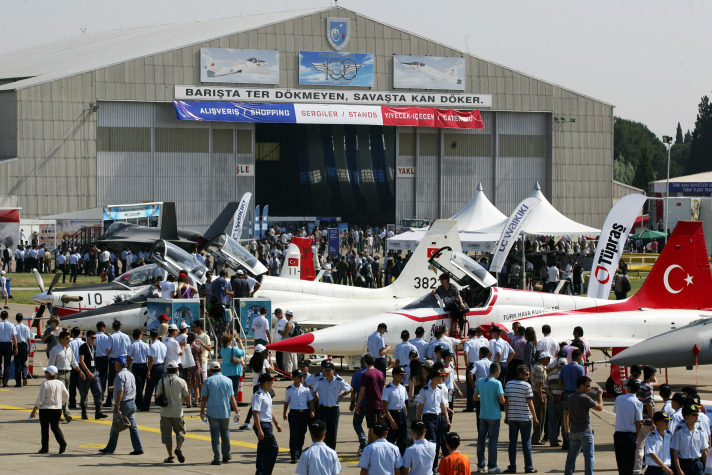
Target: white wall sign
(245, 170)
(405, 172)
(326, 96)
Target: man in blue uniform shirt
(420, 344)
(318, 459)
(119, 346)
(419, 457)
(267, 448)
(329, 389)
(380, 457)
(657, 446)
(137, 358)
(629, 420)
(300, 402)
(394, 409)
(376, 345)
(688, 446)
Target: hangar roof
(86, 52)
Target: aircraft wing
(605, 342)
(319, 323)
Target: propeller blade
(71, 298)
(38, 315)
(57, 276)
(39, 280)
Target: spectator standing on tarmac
(216, 400)
(645, 395)
(501, 351)
(480, 369)
(87, 363)
(263, 414)
(155, 368)
(124, 389)
(137, 359)
(403, 349)
(377, 347)
(455, 463)
(689, 445)
(8, 346)
(419, 457)
(52, 397)
(318, 459)
(278, 336)
(371, 393)
(577, 421)
(300, 402)
(395, 413)
(519, 415)
(24, 334)
(329, 389)
(361, 413)
(261, 328)
(555, 407)
(62, 358)
(657, 446)
(420, 344)
(228, 352)
(491, 396)
(380, 457)
(203, 340)
(432, 402)
(119, 346)
(537, 379)
(289, 358)
(3, 289)
(102, 343)
(629, 421)
(176, 392)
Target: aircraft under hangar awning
(471, 242)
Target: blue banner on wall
(333, 241)
(336, 69)
(235, 112)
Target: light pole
(668, 141)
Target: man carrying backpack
(621, 285)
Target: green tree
(701, 146)
(631, 139)
(688, 136)
(645, 172)
(623, 171)
(679, 159)
(678, 135)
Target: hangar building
(91, 120)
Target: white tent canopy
(478, 214)
(546, 220)
(471, 242)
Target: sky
(650, 58)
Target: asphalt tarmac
(20, 438)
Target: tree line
(641, 157)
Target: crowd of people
(537, 386)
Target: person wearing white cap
(174, 349)
(53, 395)
(537, 378)
(289, 359)
(216, 399)
(261, 328)
(3, 289)
(175, 390)
(279, 335)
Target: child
(455, 463)
(318, 458)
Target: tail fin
(415, 276)
(169, 223)
(299, 260)
(221, 223)
(681, 276)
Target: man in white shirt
(278, 329)
(174, 349)
(24, 335)
(553, 275)
(62, 358)
(168, 287)
(548, 344)
(3, 289)
(261, 328)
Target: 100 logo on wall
(335, 69)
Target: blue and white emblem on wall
(338, 32)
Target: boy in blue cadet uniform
(267, 448)
(420, 344)
(376, 345)
(394, 409)
(402, 351)
(432, 402)
(318, 459)
(629, 420)
(380, 457)
(657, 446)
(300, 402)
(688, 445)
(419, 457)
(329, 389)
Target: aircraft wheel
(613, 388)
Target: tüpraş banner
(327, 114)
(511, 231)
(240, 215)
(610, 244)
(333, 234)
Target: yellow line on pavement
(188, 435)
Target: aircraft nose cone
(675, 350)
(43, 298)
(296, 344)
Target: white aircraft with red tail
(676, 292)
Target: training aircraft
(131, 311)
(435, 74)
(675, 293)
(224, 67)
(121, 235)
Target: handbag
(162, 399)
(235, 360)
(121, 423)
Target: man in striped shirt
(520, 414)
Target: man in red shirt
(372, 383)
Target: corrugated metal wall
(508, 157)
(145, 154)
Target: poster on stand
(248, 309)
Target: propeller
(39, 280)
(54, 282)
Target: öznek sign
(327, 114)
